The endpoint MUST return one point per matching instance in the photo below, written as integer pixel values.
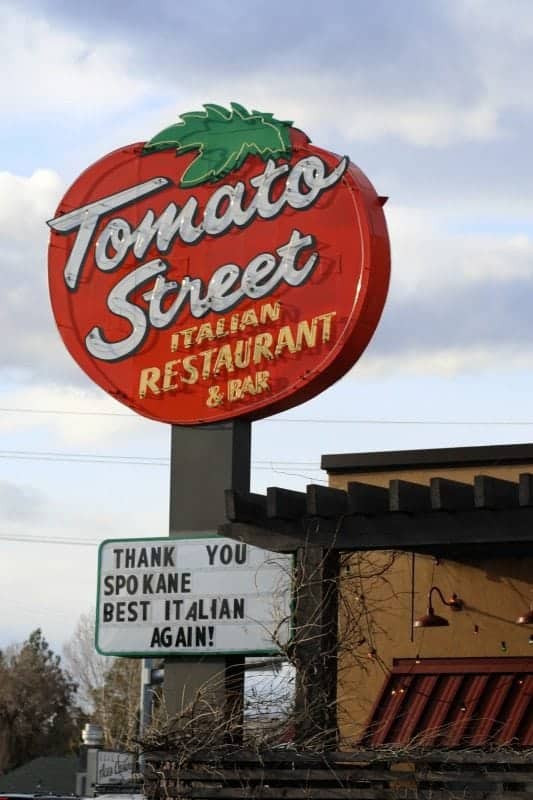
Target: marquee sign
(203, 595)
(114, 767)
(225, 268)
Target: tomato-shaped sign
(225, 268)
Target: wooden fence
(362, 775)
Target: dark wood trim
(407, 496)
(479, 664)
(493, 455)
(447, 495)
(433, 532)
(490, 492)
(324, 501)
(315, 644)
(366, 499)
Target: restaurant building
(415, 621)
(444, 650)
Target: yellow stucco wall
(495, 592)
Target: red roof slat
(438, 709)
(488, 713)
(391, 706)
(517, 711)
(466, 710)
(416, 701)
(455, 702)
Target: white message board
(205, 595)
(114, 767)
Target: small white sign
(114, 767)
(207, 595)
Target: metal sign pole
(205, 460)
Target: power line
(6, 537)
(7, 410)
(283, 420)
(84, 458)
(152, 461)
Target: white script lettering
(305, 181)
(263, 273)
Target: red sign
(225, 268)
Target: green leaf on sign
(224, 139)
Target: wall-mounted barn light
(432, 620)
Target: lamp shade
(431, 620)
(526, 619)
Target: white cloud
(447, 362)
(19, 503)
(452, 88)
(76, 417)
(31, 342)
(47, 69)
(427, 257)
(26, 203)
(319, 100)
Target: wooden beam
(325, 501)
(280, 537)
(245, 506)
(424, 532)
(285, 503)
(525, 489)
(363, 498)
(448, 495)
(490, 492)
(315, 645)
(408, 497)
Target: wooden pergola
(445, 519)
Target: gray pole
(145, 715)
(205, 460)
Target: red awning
(455, 702)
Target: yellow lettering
(214, 397)
(206, 366)
(242, 353)
(307, 332)
(249, 317)
(174, 341)
(251, 384)
(234, 389)
(248, 386)
(224, 359)
(190, 369)
(169, 374)
(269, 312)
(148, 380)
(220, 329)
(262, 345)
(285, 340)
(261, 381)
(326, 327)
(187, 334)
(205, 332)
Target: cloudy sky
(431, 99)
